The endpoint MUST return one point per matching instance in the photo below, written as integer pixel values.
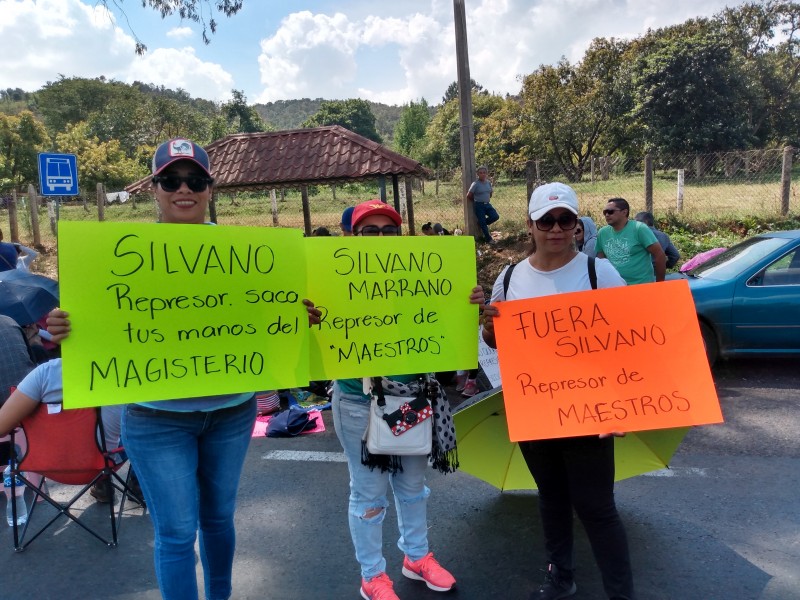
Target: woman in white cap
(188, 452)
(576, 472)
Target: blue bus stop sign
(58, 174)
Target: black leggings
(578, 473)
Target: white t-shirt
(528, 282)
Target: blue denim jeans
(368, 490)
(188, 465)
(486, 215)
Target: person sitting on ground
(439, 230)
(321, 232)
(427, 229)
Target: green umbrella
(485, 451)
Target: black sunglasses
(171, 183)
(611, 211)
(565, 220)
(375, 230)
(579, 231)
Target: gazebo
(300, 158)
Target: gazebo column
(396, 193)
(306, 210)
(409, 206)
(382, 187)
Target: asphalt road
(722, 523)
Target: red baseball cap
(375, 207)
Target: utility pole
(465, 102)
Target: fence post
(591, 168)
(530, 178)
(13, 222)
(274, 198)
(101, 202)
(33, 206)
(648, 182)
(680, 190)
(307, 209)
(52, 207)
(786, 179)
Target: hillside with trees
(726, 83)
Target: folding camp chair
(67, 447)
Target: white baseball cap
(549, 196)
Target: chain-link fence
(690, 187)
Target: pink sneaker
(379, 587)
(461, 381)
(431, 572)
(470, 389)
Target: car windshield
(738, 258)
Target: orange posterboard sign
(617, 359)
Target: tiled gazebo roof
(298, 157)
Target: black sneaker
(557, 584)
(103, 491)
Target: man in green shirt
(630, 245)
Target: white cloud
(309, 55)
(52, 37)
(314, 55)
(180, 68)
(180, 32)
(69, 37)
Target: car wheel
(710, 342)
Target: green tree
(504, 139)
(441, 147)
(690, 91)
(241, 117)
(451, 93)
(579, 110)
(22, 137)
(410, 129)
(100, 161)
(355, 115)
(770, 68)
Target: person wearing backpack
(575, 472)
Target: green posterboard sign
(392, 305)
(162, 311)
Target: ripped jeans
(368, 489)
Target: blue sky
(390, 52)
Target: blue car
(748, 297)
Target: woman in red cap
(369, 483)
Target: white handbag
(399, 425)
